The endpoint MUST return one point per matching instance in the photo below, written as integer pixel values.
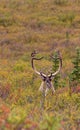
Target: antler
(33, 54)
(60, 65)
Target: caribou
(46, 79)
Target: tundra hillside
(46, 26)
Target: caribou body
(46, 79)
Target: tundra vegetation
(46, 26)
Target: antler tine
(60, 58)
(34, 53)
(60, 64)
(53, 57)
(59, 55)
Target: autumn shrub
(20, 76)
(4, 112)
(68, 19)
(5, 91)
(67, 108)
(17, 116)
(6, 18)
(50, 123)
(19, 66)
(60, 2)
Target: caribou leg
(52, 88)
(41, 87)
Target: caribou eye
(50, 79)
(44, 79)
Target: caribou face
(47, 80)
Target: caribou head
(46, 79)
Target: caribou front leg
(52, 88)
(41, 87)
(46, 91)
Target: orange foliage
(4, 114)
(75, 89)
